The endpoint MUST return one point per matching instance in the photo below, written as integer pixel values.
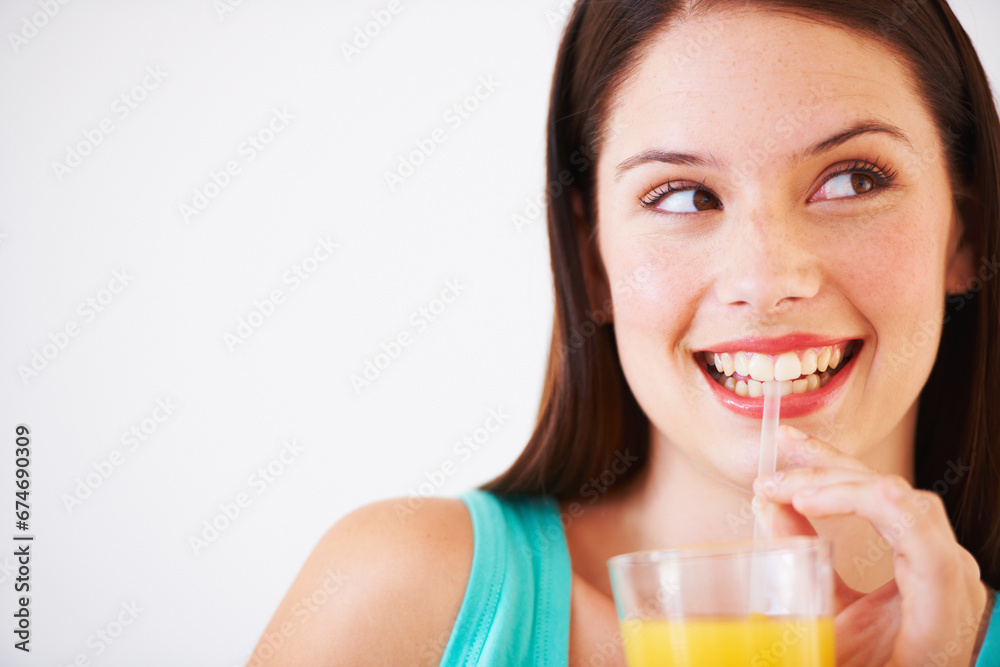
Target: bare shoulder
(383, 586)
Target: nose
(766, 264)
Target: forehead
(733, 80)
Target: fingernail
(809, 490)
(792, 432)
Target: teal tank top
(516, 606)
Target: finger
(786, 521)
(869, 624)
(782, 485)
(913, 522)
(797, 449)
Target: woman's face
(773, 191)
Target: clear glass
(759, 604)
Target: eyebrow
(695, 160)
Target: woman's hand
(930, 613)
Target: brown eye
(849, 184)
(862, 183)
(704, 200)
(688, 201)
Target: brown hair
(588, 415)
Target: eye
(846, 185)
(858, 179)
(686, 199)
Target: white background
(125, 537)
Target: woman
(732, 185)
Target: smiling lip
(792, 405)
(760, 345)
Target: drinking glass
(767, 603)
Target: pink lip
(792, 405)
(796, 341)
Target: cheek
(655, 289)
(893, 274)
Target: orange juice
(757, 641)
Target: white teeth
(794, 372)
(727, 364)
(824, 359)
(761, 368)
(787, 367)
(809, 362)
(742, 364)
(835, 358)
(755, 389)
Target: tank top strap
(989, 652)
(517, 602)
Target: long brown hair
(588, 416)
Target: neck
(894, 454)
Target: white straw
(766, 465)
(768, 461)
